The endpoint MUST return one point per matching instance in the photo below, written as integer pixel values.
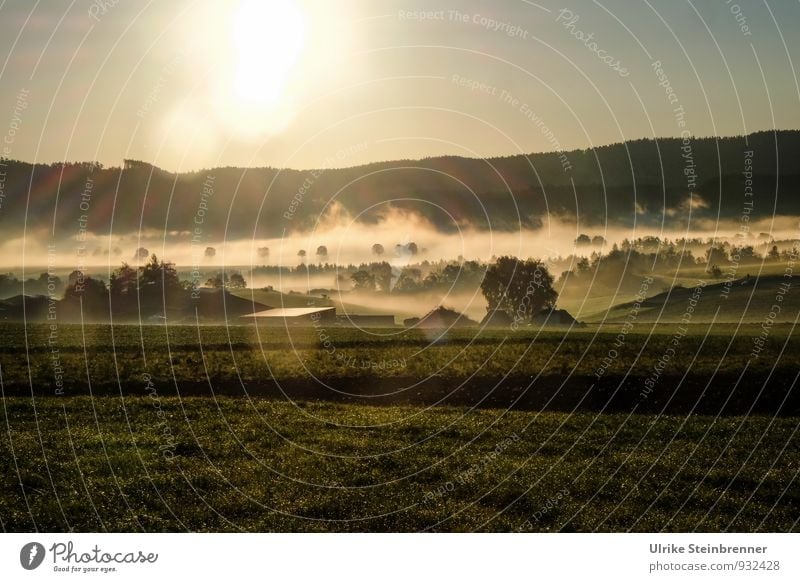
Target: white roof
(289, 311)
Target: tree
(123, 287)
(218, 281)
(716, 255)
(263, 252)
(583, 240)
(322, 252)
(92, 295)
(302, 254)
(237, 281)
(406, 250)
(382, 274)
(210, 252)
(160, 274)
(774, 254)
(519, 288)
(410, 280)
(160, 289)
(377, 249)
(86, 287)
(598, 241)
(744, 254)
(123, 282)
(363, 281)
(141, 253)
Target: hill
(749, 300)
(643, 180)
(210, 306)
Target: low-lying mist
(344, 240)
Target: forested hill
(643, 180)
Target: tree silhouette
(123, 284)
(218, 281)
(519, 288)
(598, 241)
(91, 294)
(237, 281)
(363, 281)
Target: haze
(193, 84)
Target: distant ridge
(645, 180)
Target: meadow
(215, 428)
(119, 353)
(231, 464)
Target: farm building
(558, 317)
(497, 318)
(365, 320)
(440, 318)
(294, 316)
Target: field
(230, 464)
(213, 428)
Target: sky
(192, 84)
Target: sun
(269, 38)
(254, 65)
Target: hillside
(641, 180)
(210, 306)
(749, 300)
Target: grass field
(229, 464)
(228, 428)
(199, 353)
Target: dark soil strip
(546, 393)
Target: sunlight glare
(269, 38)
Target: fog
(350, 242)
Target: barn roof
(289, 311)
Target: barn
(293, 316)
(351, 320)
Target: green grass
(93, 464)
(231, 464)
(228, 354)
